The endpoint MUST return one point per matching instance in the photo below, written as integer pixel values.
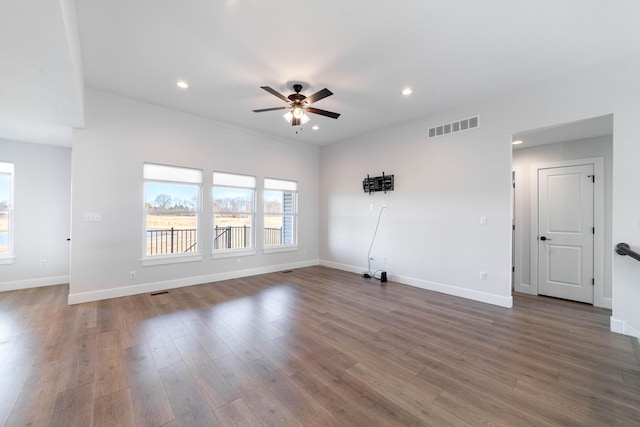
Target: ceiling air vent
(460, 125)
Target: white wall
(443, 186)
(524, 158)
(42, 187)
(122, 134)
(430, 234)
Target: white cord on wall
(368, 272)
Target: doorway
(559, 262)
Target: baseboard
(624, 328)
(498, 300)
(33, 283)
(343, 267)
(143, 288)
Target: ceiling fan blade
(322, 112)
(295, 122)
(275, 92)
(270, 109)
(318, 96)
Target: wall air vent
(460, 125)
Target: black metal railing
(231, 237)
(171, 241)
(273, 236)
(625, 249)
(160, 242)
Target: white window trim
(284, 185)
(251, 250)
(231, 253)
(175, 258)
(280, 248)
(9, 257)
(170, 259)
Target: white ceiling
(574, 131)
(366, 52)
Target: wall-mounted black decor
(378, 183)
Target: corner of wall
(624, 328)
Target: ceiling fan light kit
(299, 105)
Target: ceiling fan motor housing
(297, 102)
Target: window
(6, 213)
(233, 212)
(280, 212)
(171, 211)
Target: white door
(565, 232)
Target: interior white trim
(622, 327)
(519, 286)
(599, 299)
(33, 283)
(124, 291)
(498, 300)
(276, 249)
(231, 253)
(170, 259)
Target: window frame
(8, 168)
(234, 252)
(178, 257)
(285, 186)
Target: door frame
(598, 223)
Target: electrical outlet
(483, 275)
(132, 275)
(238, 261)
(43, 262)
(483, 220)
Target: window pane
(273, 230)
(227, 199)
(289, 202)
(171, 233)
(273, 201)
(4, 233)
(171, 197)
(232, 231)
(288, 230)
(5, 190)
(279, 202)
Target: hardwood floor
(312, 347)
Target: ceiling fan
(299, 105)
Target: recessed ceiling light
(407, 91)
(315, 127)
(182, 84)
(517, 142)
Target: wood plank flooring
(312, 347)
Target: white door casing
(565, 239)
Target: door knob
(543, 238)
